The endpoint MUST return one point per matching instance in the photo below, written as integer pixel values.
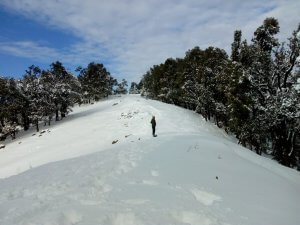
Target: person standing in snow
(153, 122)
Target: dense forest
(44, 95)
(253, 94)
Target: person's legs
(153, 130)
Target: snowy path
(192, 173)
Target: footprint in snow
(188, 217)
(126, 218)
(70, 217)
(206, 198)
(150, 182)
(154, 173)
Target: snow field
(192, 173)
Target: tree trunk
(56, 115)
(2, 122)
(63, 113)
(25, 121)
(13, 135)
(49, 120)
(258, 151)
(37, 125)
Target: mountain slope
(192, 173)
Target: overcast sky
(127, 36)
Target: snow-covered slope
(192, 173)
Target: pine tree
(283, 106)
(236, 46)
(134, 88)
(96, 81)
(36, 94)
(122, 87)
(11, 105)
(67, 89)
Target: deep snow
(192, 173)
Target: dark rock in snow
(126, 136)
(115, 141)
(217, 177)
(42, 132)
(33, 134)
(115, 104)
(2, 146)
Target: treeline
(45, 95)
(253, 94)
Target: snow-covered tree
(134, 88)
(236, 46)
(11, 106)
(122, 87)
(66, 90)
(96, 81)
(36, 94)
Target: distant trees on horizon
(253, 94)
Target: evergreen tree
(11, 104)
(264, 35)
(236, 46)
(67, 89)
(134, 88)
(48, 81)
(35, 93)
(122, 87)
(96, 81)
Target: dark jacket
(153, 122)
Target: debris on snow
(2, 146)
(115, 141)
